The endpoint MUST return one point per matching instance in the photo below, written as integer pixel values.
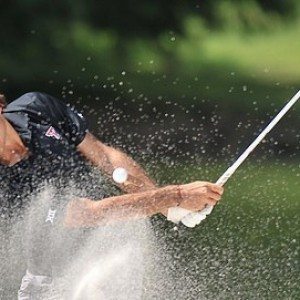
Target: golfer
(44, 142)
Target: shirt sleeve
(71, 123)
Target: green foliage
(245, 15)
(230, 53)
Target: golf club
(191, 219)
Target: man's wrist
(166, 197)
(179, 194)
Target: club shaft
(230, 171)
(188, 219)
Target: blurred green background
(235, 59)
(190, 82)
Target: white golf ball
(120, 175)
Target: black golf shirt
(51, 130)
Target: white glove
(195, 218)
(188, 218)
(176, 214)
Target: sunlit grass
(270, 55)
(249, 246)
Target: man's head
(3, 130)
(12, 149)
(2, 102)
(2, 121)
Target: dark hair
(2, 100)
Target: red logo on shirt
(51, 132)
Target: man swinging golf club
(43, 140)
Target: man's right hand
(196, 195)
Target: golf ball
(120, 175)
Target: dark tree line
(131, 17)
(62, 47)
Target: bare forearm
(87, 213)
(108, 159)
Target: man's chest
(47, 140)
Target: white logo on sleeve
(51, 132)
(51, 216)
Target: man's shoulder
(28, 99)
(36, 104)
(27, 110)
